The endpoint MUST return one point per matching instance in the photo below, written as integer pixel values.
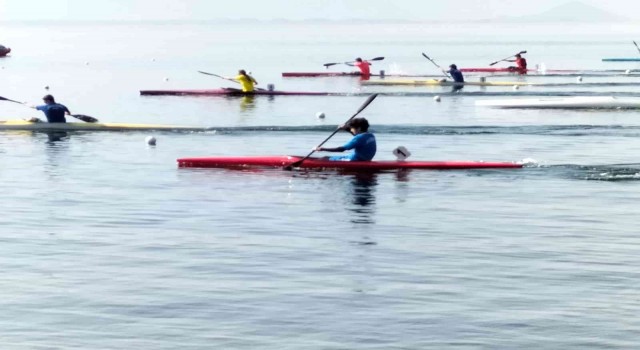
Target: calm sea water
(106, 244)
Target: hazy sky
(288, 9)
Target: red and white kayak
(350, 74)
(321, 74)
(512, 70)
(229, 92)
(322, 163)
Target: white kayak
(586, 102)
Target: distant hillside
(574, 11)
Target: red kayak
(230, 92)
(322, 74)
(513, 70)
(322, 163)
(350, 74)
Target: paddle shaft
(84, 118)
(634, 43)
(506, 58)
(221, 77)
(434, 62)
(327, 65)
(364, 105)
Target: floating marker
(436, 98)
(151, 141)
(320, 115)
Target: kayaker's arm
(334, 149)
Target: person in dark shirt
(54, 112)
(457, 77)
(456, 74)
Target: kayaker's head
(357, 125)
(242, 72)
(518, 56)
(358, 59)
(48, 99)
(453, 66)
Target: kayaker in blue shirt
(363, 143)
(53, 111)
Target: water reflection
(56, 136)
(247, 103)
(363, 200)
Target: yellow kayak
(435, 82)
(19, 124)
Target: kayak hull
(579, 102)
(351, 75)
(321, 163)
(622, 59)
(435, 82)
(229, 92)
(43, 126)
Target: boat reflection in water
(55, 136)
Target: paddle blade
(85, 118)
(521, 52)
(327, 65)
(377, 59)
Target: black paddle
(506, 58)
(84, 118)
(364, 105)
(221, 77)
(434, 62)
(327, 65)
(634, 43)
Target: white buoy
(436, 98)
(628, 71)
(516, 87)
(320, 115)
(151, 141)
(579, 79)
(166, 79)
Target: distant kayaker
(521, 64)
(53, 111)
(246, 81)
(363, 142)
(364, 66)
(457, 77)
(456, 74)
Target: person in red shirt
(364, 67)
(521, 64)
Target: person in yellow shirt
(246, 81)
